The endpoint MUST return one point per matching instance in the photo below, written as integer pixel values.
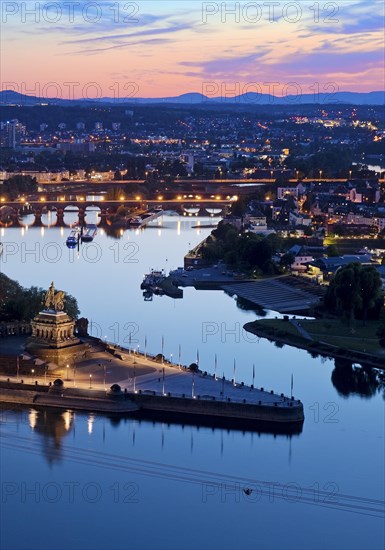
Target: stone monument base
(53, 339)
(61, 357)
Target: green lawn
(360, 338)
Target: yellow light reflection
(67, 420)
(32, 417)
(91, 420)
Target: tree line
(23, 304)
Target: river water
(84, 481)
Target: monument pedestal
(53, 339)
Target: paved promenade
(132, 371)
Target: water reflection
(246, 305)
(54, 426)
(350, 379)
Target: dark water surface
(87, 481)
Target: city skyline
(149, 49)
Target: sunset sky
(158, 48)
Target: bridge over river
(12, 212)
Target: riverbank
(146, 384)
(327, 338)
(286, 415)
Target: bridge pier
(82, 216)
(60, 217)
(103, 217)
(38, 222)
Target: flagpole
(253, 374)
(234, 384)
(162, 348)
(145, 347)
(192, 386)
(163, 382)
(215, 368)
(134, 379)
(291, 386)
(223, 385)
(179, 355)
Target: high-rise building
(11, 133)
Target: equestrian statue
(54, 300)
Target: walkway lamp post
(90, 381)
(67, 370)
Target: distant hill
(9, 97)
